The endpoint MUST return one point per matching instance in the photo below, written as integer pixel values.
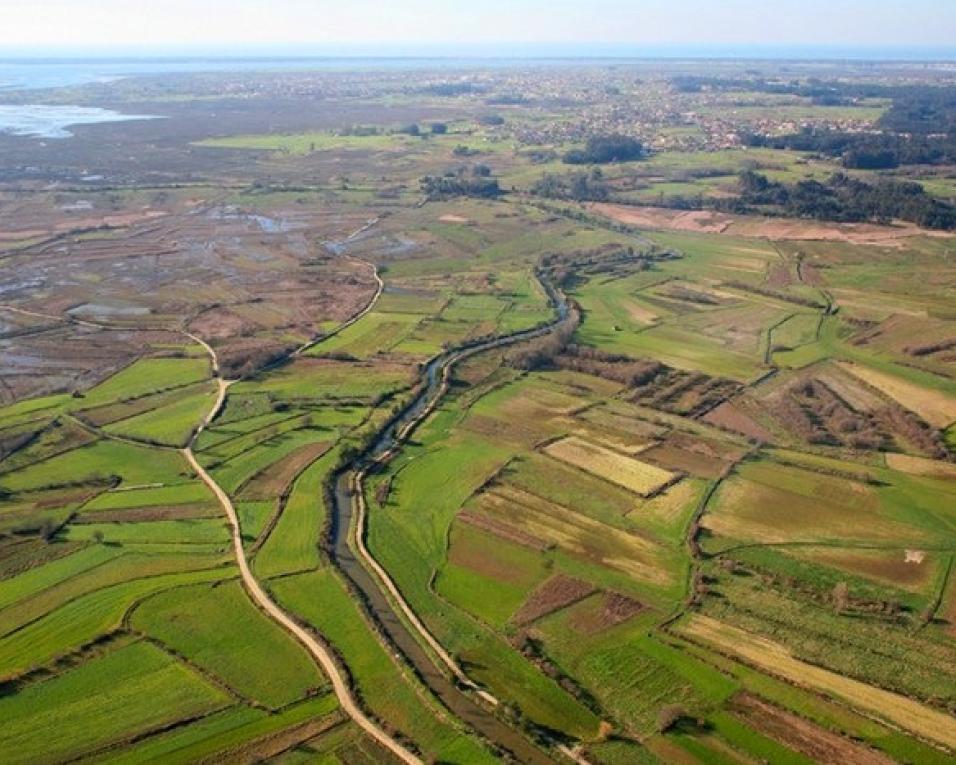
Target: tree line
(841, 198)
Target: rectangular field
(633, 474)
(905, 712)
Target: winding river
(452, 692)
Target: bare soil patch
(273, 480)
(707, 222)
(143, 514)
(606, 611)
(801, 735)
(729, 417)
(554, 594)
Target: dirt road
(342, 690)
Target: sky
(126, 24)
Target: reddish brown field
(801, 735)
(604, 612)
(272, 481)
(556, 593)
(153, 513)
(729, 417)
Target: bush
(669, 716)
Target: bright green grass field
(306, 143)
(192, 492)
(134, 464)
(219, 629)
(171, 425)
(38, 578)
(220, 733)
(129, 691)
(293, 544)
(85, 618)
(147, 376)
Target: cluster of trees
(542, 352)
(842, 198)
(611, 366)
(474, 182)
(602, 149)
(581, 187)
(866, 151)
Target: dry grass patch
(670, 504)
(751, 511)
(503, 530)
(936, 407)
(632, 474)
(920, 466)
(575, 533)
(776, 659)
(909, 569)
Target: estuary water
(47, 121)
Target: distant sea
(30, 69)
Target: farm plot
(631, 674)
(98, 462)
(273, 480)
(218, 629)
(224, 735)
(487, 575)
(867, 634)
(172, 424)
(411, 545)
(772, 503)
(145, 377)
(577, 534)
(937, 407)
(377, 332)
(105, 414)
(156, 691)
(293, 544)
(317, 379)
(86, 618)
(774, 658)
(640, 477)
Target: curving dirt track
(342, 690)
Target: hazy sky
(657, 22)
